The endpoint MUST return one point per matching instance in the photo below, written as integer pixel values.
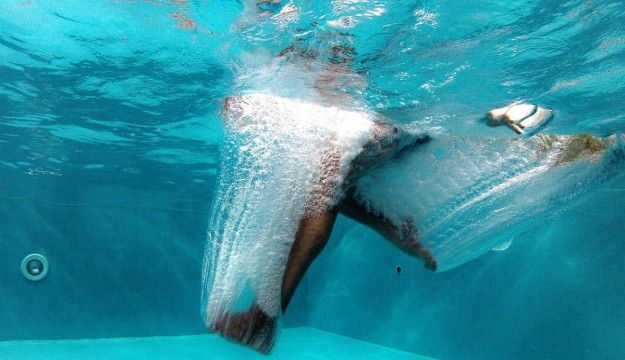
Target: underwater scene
(297, 179)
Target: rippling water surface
(119, 85)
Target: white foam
(272, 159)
(467, 195)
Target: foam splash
(467, 195)
(272, 160)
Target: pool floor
(295, 343)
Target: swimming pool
(110, 121)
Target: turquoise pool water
(110, 121)
(298, 343)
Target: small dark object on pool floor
(398, 269)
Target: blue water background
(109, 132)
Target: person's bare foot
(416, 249)
(409, 243)
(425, 255)
(252, 328)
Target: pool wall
(123, 262)
(126, 262)
(555, 293)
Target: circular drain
(35, 267)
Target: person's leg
(313, 233)
(314, 228)
(312, 236)
(404, 237)
(388, 142)
(256, 329)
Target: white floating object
(523, 119)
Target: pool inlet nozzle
(35, 267)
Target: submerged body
(283, 162)
(290, 167)
(470, 194)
